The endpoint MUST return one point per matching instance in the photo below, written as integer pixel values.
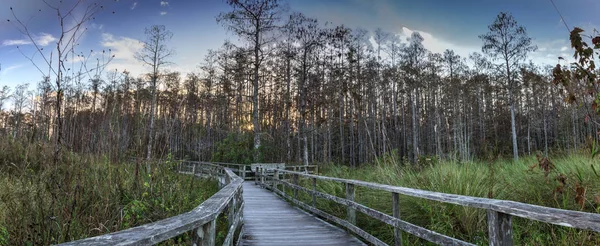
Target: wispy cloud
(438, 45)
(43, 39)
(163, 13)
(134, 5)
(15, 42)
(6, 70)
(124, 49)
(164, 3)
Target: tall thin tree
(155, 54)
(508, 41)
(253, 20)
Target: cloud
(549, 50)
(163, 13)
(5, 70)
(133, 5)
(43, 39)
(437, 45)
(164, 3)
(124, 49)
(15, 42)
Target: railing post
(256, 174)
(295, 177)
(499, 228)
(314, 195)
(275, 179)
(396, 214)
(351, 212)
(262, 176)
(194, 169)
(205, 235)
(231, 210)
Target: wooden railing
(202, 220)
(499, 212)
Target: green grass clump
(84, 196)
(500, 179)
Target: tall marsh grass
(83, 196)
(498, 179)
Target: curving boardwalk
(268, 220)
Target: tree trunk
(255, 95)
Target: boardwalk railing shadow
(499, 212)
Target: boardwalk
(268, 220)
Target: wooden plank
(232, 229)
(270, 166)
(350, 212)
(499, 228)
(396, 214)
(562, 217)
(206, 234)
(269, 220)
(354, 229)
(295, 180)
(314, 197)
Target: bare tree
(77, 14)
(309, 36)
(253, 20)
(154, 54)
(414, 55)
(19, 103)
(508, 41)
(4, 95)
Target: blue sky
(445, 24)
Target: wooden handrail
(201, 220)
(499, 212)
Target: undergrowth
(564, 182)
(83, 196)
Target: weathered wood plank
(205, 235)
(356, 230)
(269, 220)
(396, 214)
(562, 217)
(499, 228)
(350, 212)
(314, 196)
(233, 228)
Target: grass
(499, 179)
(85, 196)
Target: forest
(294, 89)
(298, 90)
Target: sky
(444, 24)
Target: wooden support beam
(351, 212)
(276, 179)
(256, 174)
(205, 235)
(295, 177)
(499, 228)
(314, 195)
(396, 214)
